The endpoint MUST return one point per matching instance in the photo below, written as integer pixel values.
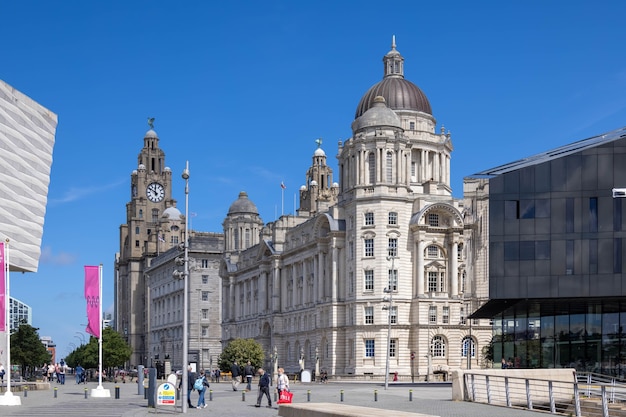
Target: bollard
(25, 391)
(243, 395)
(117, 392)
(308, 395)
(55, 392)
(375, 395)
(341, 395)
(410, 395)
(275, 396)
(85, 393)
(210, 395)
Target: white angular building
(375, 260)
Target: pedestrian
(79, 374)
(62, 368)
(201, 388)
(282, 383)
(44, 372)
(264, 388)
(190, 380)
(1, 374)
(249, 372)
(503, 363)
(218, 373)
(234, 370)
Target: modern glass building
(553, 225)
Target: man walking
(249, 372)
(234, 370)
(264, 389)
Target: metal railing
(591, 394)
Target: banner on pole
(92, 295)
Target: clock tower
(153, 225)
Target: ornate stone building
(377, 260)
(148, 299)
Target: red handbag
(285, 397)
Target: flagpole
(100, 391)
(282, 201)
(8, 398)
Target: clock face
(155, 192)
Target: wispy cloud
(61, 258)
(79, 193)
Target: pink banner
(92, 295)
(3, 290)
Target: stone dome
(172, 213)
(151, 134)
(378, 115)
(400, 94)
(243, 205)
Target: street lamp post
(389, 299)
(185, 376)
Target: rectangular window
(369, 247)
(369, 348)
(369, 315)
(205, 279)
(393, 314)
(393, 218)
(155, 215)
(432, 281)
(593, 256)
(393, 348)
(433, 251)
(369, 219)
(433, 219)
(569, 215)
(393, 280)
(411, 125)
(205, 296)
(617, 255)
(205, 313)
(204, 263)
(593, 214)
(392, 249)
(369, 280)
(569, 257)
(205, 331)
(542, 208)
(136, 243)
(351, 246)
(462, 312)
(617, 214)
(527, 209)
(432, 314)
(511, 209)
(351, 281)
(446, 315)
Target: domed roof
(400, 94)
(378, 115)
(319, 152)
(243, 205)
(151, 134)
(172, 213)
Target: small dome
(335, 185)
(378, 115)
(303, 188)
(172, 213)
(320, 152)
(134, 172)
(141, 167)
(151, 134)
(313, 183)
(243, 205)
(167, 169)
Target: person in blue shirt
(264, 388)
(80, 371)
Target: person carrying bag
(282, 386)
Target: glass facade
(590, 338)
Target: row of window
(437, 347)
(392, 218)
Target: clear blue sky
(242, 89)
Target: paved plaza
(433, 399)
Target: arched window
(371, 161)
(468, 345)
(438, 347)
(389, 166)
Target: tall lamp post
(199, 290)
(389, 299)
(185, 276)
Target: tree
(115, 350)
(27, 349)
(242, 351)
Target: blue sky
(242, 89)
